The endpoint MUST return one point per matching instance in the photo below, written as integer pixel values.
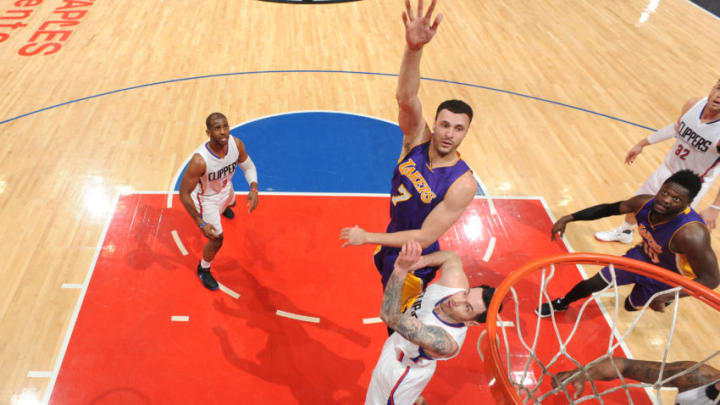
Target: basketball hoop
(507, 389)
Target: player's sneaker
(616, 235)
(557, 306)
(207, 279)
(228, 213)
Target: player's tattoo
(648, 372)
(430, 338)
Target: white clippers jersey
(696, 145)
(411, 354)
(696, 396)
(217, 179)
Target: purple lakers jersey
(417, 188)
(656, 239)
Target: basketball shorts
(384, 259)
(644, 287)
(655, 181)
(211, 207)
(395, 381)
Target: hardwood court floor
(59, 165)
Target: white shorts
(211, 207)
(396, 379)
(655, 181)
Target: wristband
(203, 224)
(717, 207)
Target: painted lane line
(179, 318)
(505, 324)
(368, 321)
(486, 194)
(78, 305)
(297, 317)
(229, 291)
(70, 285)
(179, 243)
(489, 250)
(39, 374)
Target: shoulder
(692, 235)
(689, 104)
(464, 186)
(197, 160)
(196, 167)
(413, 140)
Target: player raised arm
(433, 340)
(600, 211)
(440, 219)
(418, 32)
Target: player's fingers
(438, 19)
(345, 244)
(408, 10)
(420, 8)
(430, 9)
(405, 18)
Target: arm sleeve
(597, 211)
(662, 134)
(249, 170)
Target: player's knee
(217, 242)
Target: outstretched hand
(578, 382)
(418, 30)
(559, 226)
(632, 154)
(355, 236)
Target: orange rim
(492, 349)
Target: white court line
(506, 324)
(489, 250)
(70, 285)
(368, 321)
(39, 374)
(179, 318)
(297, 317)
(78, 305)
(179, 243)
(485, 194)
(228, 291)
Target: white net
(536, 350)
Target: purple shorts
(644, 287)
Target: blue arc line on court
(326, 71)
(319, 152)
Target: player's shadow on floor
(152, 242)
(312, 371)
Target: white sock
(204, 264)
(627, 227)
